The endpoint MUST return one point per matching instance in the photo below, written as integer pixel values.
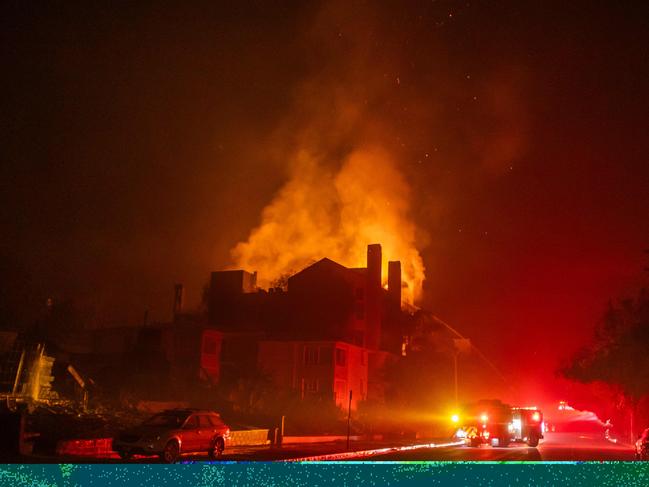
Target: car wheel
(217, 449)
(533, 439)
(171, 452)
(125, 455)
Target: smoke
(344, 188)
(319, 213)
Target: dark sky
(141, 141)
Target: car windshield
(166, 419)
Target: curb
(97, 447)
(370, 453)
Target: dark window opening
(341, 357)
(311, 355)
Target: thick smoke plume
(344, 188)
(336, 214)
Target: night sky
(141, 142)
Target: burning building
(330, 331)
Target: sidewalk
(318, 451)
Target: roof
(326, 265)
(323, 263)
(188, 411)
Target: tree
(619, 354)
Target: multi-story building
(324, 369)
(330, 332)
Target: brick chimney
(373, 293)
(374, 265)
(179, 299)
(394, 284)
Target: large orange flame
(336, 214)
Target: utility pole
(462, 345)
(455, 374)
(349, 417)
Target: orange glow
(320, 213)
(484, 417)
(455, 418)
(536, 416)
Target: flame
(344, 189)
(321, 212)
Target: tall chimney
(392, 327)
(394, 284)
(374, 265)
(179, 298)
(374, 293)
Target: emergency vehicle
(498, 424)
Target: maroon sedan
(174, 432)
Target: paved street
(556, 447)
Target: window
(341, 394)
(204, 422)
(312, 386)
(404, 346)
(311, 355)
(325, 355)
(359, 311)
(341, 357)
(166, 419)
(214, 420)
(192, 423)
(309, 386)
(363, 358)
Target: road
(555, 447)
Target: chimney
(179, 298)
(373, 298)
(394, 284)
(374, 265)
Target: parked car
(174, 432)
(642, 446)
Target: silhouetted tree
(282, 280)
(619, 354)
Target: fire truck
(495, 423)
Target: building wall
(327, 369)
(210, 362)
(329, 302)
(378, 362)
(227, 305)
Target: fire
(321, 212)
